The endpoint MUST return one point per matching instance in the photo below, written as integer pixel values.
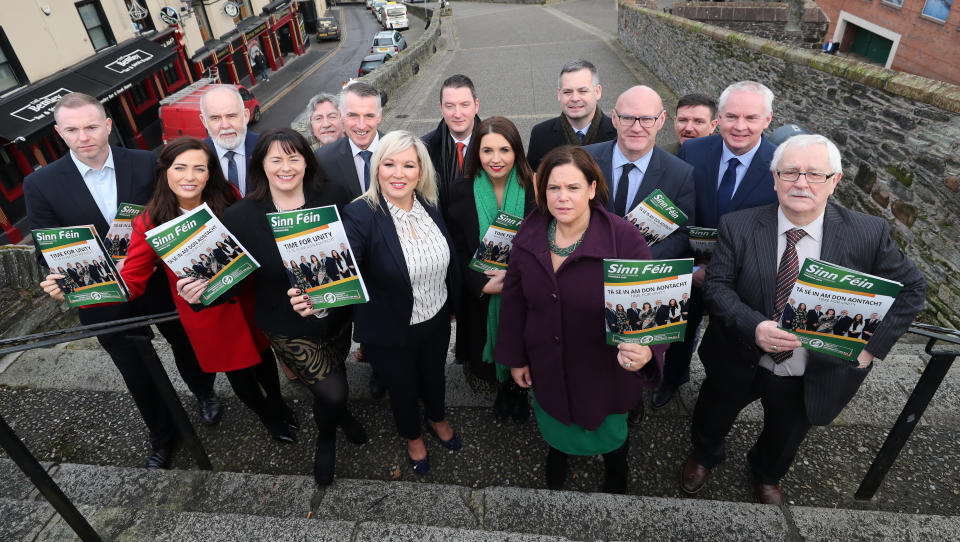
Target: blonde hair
(390, 144)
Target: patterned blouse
(427, 256)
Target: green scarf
(513, 203)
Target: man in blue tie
(347, 160)
(731, 172)
(225, 118)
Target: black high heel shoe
(420, 466)
(454, 444)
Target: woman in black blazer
(401, 246)
(497, 178)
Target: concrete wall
(899, 133)
(761, 19)
(399, 69)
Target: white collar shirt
(358, 160)
(240, 159)
(635, 177)
(745, 159)
(102, 184)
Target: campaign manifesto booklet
(77, 253)
(644, 300)
(493, 253)
(196, 244)
(702, 241)
(849, 301)
(656, 217)
(318, 257)
(117, 241)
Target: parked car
(371, 62)
(328, 29)
(388, 41)
(369, 4)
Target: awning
(102, 76)
(276, 6)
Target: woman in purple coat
(551, 330)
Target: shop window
(140, 15)
(172, 77)
(142, 96)
(203, 22)
(11, 73)
(91, 13)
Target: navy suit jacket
(336, 161)
(548, 135)
(249, 143)
(56, 195)
(672, 176)
(385, 319)
(756, 188)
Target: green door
(870, 45)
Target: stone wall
(399, 69)
(762, 19)
(899, 133)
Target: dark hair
(290, 142)
(218, 193)
(699, 99)
(577, 65)
(581, 159)
(458, 81)
(501, 126)
(76, 100)
(362, 90)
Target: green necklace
(552, 239)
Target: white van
(394, 16)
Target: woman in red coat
(224, 336)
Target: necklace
(552, 239)
(279, 210)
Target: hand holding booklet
(834, 310)
(196, 244)
(117, 241)
(317, 256)
(89, 277)
(645, 299)
(493, 253)
(656, 217)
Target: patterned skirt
(312, 358)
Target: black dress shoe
(556, 468)
(280, 430)
(353, 429)
(693, 476)
(636, 414)
(377, 389)
(161, 458)
(290, 418)
(521, 404)
(662, 395)
(209, 407)
(502, 403)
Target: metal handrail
(32, 468)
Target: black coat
(447, 173)
(385, 319)
(548, 135)
(465, 230)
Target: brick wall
(899, 133)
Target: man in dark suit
(789, 313)
(611, 317)
(447, 144)
(581, 121)
(94, 272)
(634, 166)
(813, 316)
(696, 116)
(661, 313)
(684, 303)
(745, 354)
(843, 324)
(870, 327)
(633, 316)
(223, 114)
(227, 240)
(347, 258)
(347, 160)
(307, 272)
(731, 172)
(86, 187)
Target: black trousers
(122, 350)
(258, 387)
(785, 423)
(415, 371)
(676, 362)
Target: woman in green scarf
(498, 178)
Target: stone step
(133, 504)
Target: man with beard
(324, 117)
(223, 114)
(696, 117)
(448, 143)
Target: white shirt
(240, 159)
(102, 184)
(807, 247)
(427, 256)
(635, 176)
(358, 160)
(584, 130)
(745, 159)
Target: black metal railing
(136, 329)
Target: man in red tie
(748, 283)
(448, 143)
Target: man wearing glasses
(634, 166)
(731, 172)
(751, 273)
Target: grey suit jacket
(741, 284)
(672, 176)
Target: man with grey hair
(731, 171)
(347, 160)
(752, 271)
(581, 121)
(323, 115)
(225, 118)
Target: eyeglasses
(792, 176)
(646, 122)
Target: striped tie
(786, 277)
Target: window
(142, 96)
(96, 24)
(203, 22)
(11, 73)
(937, 9)
(140, 15)
(172, 76)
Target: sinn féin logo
(816, 343)
(96, 296)
(228, 279)
(329, 297)
(646, 340)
